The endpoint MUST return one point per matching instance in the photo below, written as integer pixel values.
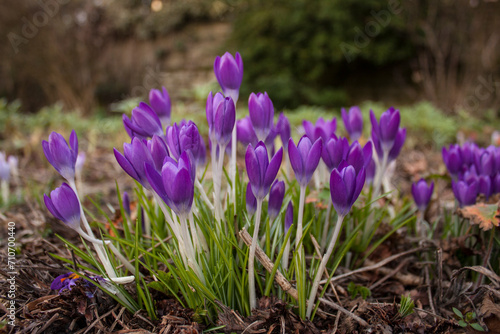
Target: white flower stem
(322, 266)
(251, 256)
(286, 254)
(379, 174)
(233, 166)
(191, 256)
(204, 194)
(326, 226)
(300, 217)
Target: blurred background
(90, 54)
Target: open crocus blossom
(261, 110)
(276, 196)
(144, 122)
(465, 191)
(345, 187)
(387, 129)
(353, 121)
(160, 103)
(304, 158)
(323, 129)
(261, 171)
(60, 155)
(229, 73)
(175, 183)
(422, 194)
(64, 205)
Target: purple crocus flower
(370, 171)
(4, 168)
(359, 157)
(251, 201)
(144, 122)
(396, 147)
(283, 129)
(276, 196)
(159, 150)
(288, 217)
(422, 193)
(201, 158)
(175, 183)
(334, 151)
(183, 137)
(261, 171)
(64, 282)
(132, 161)
(485, 162)
(224, 121)
(496, 183)
(160, 103)
(261, 110)
(229, 73)
(60, 155)
(387, 130)
(452, 158)
(304, 158)
(485, 186)
(245, 132)
(353, 121)
(323, 129)
(211, 108)
(64, 205)
(468, 153)
(345, 187)
(465, 191)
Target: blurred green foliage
(296, 49)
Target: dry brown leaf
(484, 215)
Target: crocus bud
(60, 155)
(245, 133)
(144, 122)
(284, 130)
(345, 187)
(304, 158)
(465, 192)
(201, 158)
(159, 150)
(211, 108)
(276, 196)
(485, 186)
(323, 129)
(359, 157)
(496, 183)
(261, 171)
(4, 168)
(261, 110)
(453, 159)
(387, 130)
(175, 183)
(64, 205)
(224, 121)
(251, 201)
(160, 103)
(229, 73)
(184, 137)
(288, 217)
(468, 153)
(422, 194)
(133, 159)
(485, 162)
(370, 171)
(334, 151)
(353, 121)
